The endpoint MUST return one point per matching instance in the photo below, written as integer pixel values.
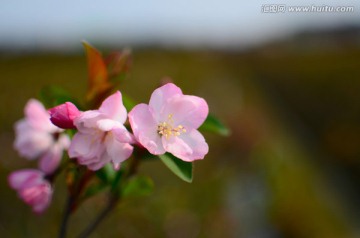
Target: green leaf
(128, 102)
(52, 96)
(212, 124)
(139, 186)
(106, 174)
(93, 190)
(180, 168)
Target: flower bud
(63, 115)
(32, 188)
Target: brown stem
(71, 203)
(101, 216)
(66, 216)
(114, 197)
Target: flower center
(168, 129)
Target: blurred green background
(290, 167)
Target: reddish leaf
(118, 62)
(98, 76)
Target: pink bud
(63, 115)
(32, 188)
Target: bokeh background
(286, 84)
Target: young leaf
(180, 168)
(118, 63)
(212, 124)
(98, 75)
(138, 186)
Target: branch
(93, 225)
(66, 215)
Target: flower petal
(50, 161)
(39, 196)
(160, 96)
(24, 178)
(145, 129)
(117, 151)
(100, 163)
(188, 111)
(30, 142)
(108, 124)
(64, 141)
(86, 146)
(114, 108)
(189, 146)
(123, 135)
(87, 121)
(38, 117)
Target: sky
(44, 24)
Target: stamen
(167, 128)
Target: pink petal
(145, 129)
(50, 161)
(23, 178)
(31, 142)
(117, 151)
(108, 124)
(160, 96)
(141, 119)
(113, 107)
(189, 146)
(152, 142)
(177, 147)
(64, 141)
(89, 160)
(96, 165)
(37, 116)
(87, 146)
(87, 121)
(38, 196)
(188, 111)
(122, 135)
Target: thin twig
(93, 225)
(71, 203)
(66, 216)
(114, 197)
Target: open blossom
(170, 122)
(32, 188)
(37, 137)
(63, 115)
(101, 136)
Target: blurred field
(289, 169)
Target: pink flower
(101, 136)
(37, 137)
(63, 115)
(32, 188)
(169, 123)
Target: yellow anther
(167, 128)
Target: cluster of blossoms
(168, 123)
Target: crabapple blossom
(32, 188)
(63, 115)
(170, 122)
(101, 136)
(37, 137)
